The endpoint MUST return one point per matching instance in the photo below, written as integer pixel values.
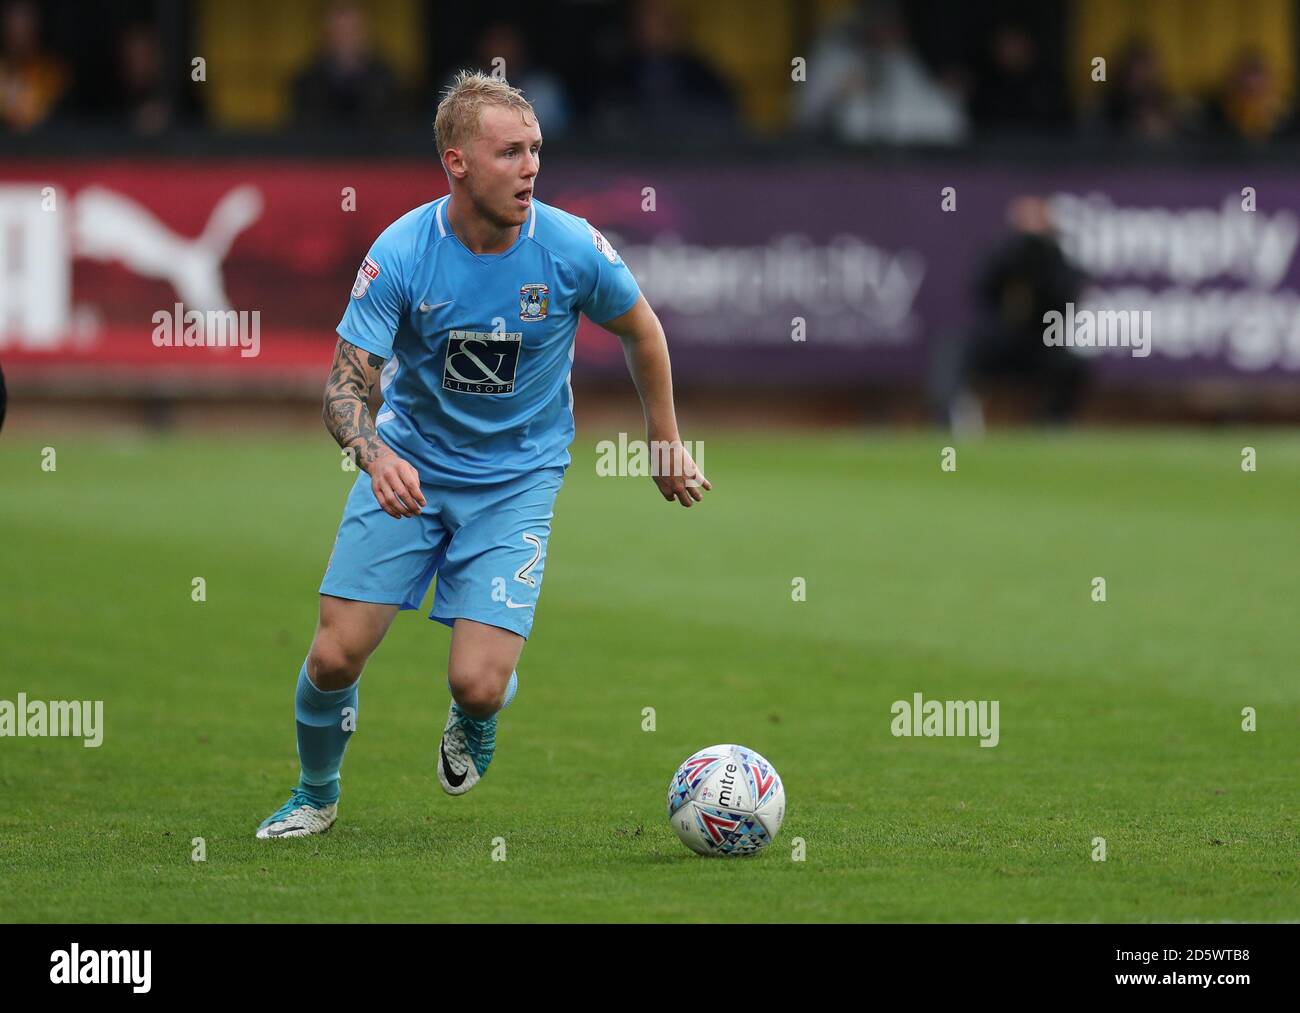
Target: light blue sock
(323, 733)
(512, 687)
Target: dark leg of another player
(957, 364)
(1065, 378)
(944, 378)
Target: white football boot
(299, 817)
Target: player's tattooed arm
(396, 484)
(347, 412)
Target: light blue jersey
(480, 346)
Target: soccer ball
(726, 800)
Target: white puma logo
(111, 226)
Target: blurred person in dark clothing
(1012, 86)
(505, 41)
(1251, 105)
(32, 81)
(348, 83)
(1024, 276)
(1138, 103)
(143, 97)
(660, 87)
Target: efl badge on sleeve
(603, 245)
(368, 272)
(533, 301)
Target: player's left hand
(676, 473)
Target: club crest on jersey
(367, 273)
(603, 245)
(533, 302)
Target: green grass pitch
(1119, 719)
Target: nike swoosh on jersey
(428, 307)
(518, 604)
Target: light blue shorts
(486, 544)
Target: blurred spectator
(865, 84)
(662, 88)
(1021, 278)
(348, 84)
(1251, 105)
(144, 99)
(1138, 103)
(1012, 86)
(503, 40)
(31, 81)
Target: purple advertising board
(878, 269)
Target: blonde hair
(457, 119)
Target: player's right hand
(396, 485)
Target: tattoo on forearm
(347, 414)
